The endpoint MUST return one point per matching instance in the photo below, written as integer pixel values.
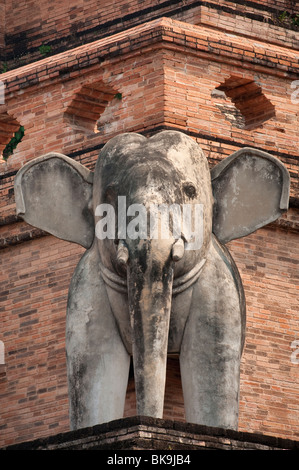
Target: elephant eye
(190, 190)
(110, 194)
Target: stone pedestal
(144, 433)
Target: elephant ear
(54, 193)
(251, 189)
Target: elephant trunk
(150, 277)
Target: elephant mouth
(180, 283)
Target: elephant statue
(146, 296)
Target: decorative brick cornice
(161, 33)
(17, 43)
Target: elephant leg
(212, 344)
(97, 361)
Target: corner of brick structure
(152, 434)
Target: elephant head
(146, 257)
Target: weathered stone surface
(149, 296)
(251, 189)
(53, 192)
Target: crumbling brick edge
(146, 433)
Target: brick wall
(184, 75)
(268, 262)
(170, 75)
(34, 392)
(63, 25)
(218, 58)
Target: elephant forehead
(149, 178)
(184, 153)
(126, 151)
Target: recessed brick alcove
(145, 433)
(243, 103)
(88, 105)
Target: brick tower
(73, 75)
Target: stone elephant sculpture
(146, 296)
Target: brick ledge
(145, 433)
(163, 32)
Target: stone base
(145, 433)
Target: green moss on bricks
(14, 142)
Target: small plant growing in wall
(4, 67)
(295, 19)
(45, 50)
(12, 145)
(288, 19)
